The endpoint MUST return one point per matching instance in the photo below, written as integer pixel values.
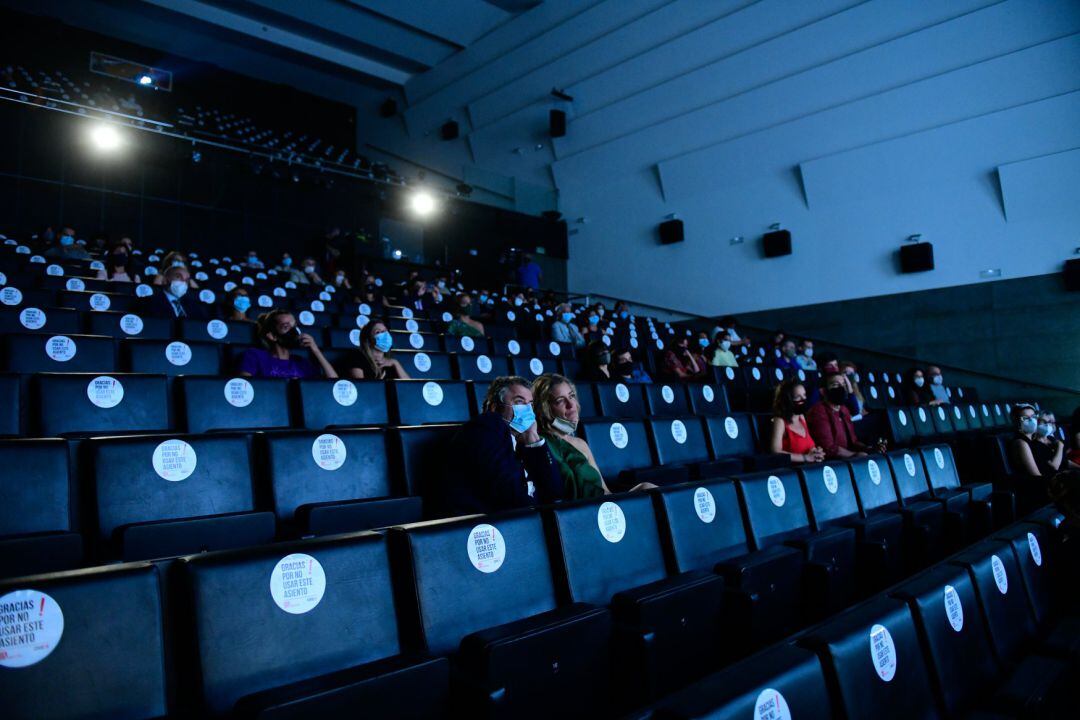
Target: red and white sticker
(11, 296)
(708, 393)
(771, 705)
(416, 340)
(486, 548)
(60, 348)
(239, 392)
(777, 493)
(345, 393)
(832, 484)
(678, 431)
(536, 367)
(100, 302)
(433, 394)
(328, 452)
(105, 392)
(131, 324)
(704, 505)
(883, 652)
(611, 521)
(622, 393)
(731, 427)
(668, 394)
(422, 362)
(297, 583)
(954, 610)
(1036, 551)
(618, 435)
(32, 318)
(1001, 578)
(174, 460)
(31, 626)
(217, 329)
(75, 284)
(874, 470)
(178, 353)
(483, 364)
(467, 344)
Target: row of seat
(584, 608)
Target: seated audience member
(856, 404)
(289, 271)
(172, 298)
(236, 305)
(937, 385)
(805, 358)
(253, 261)
(625, 369)
(563, 328)
(341, 280)
(622, 310)
(116, 266)
(372, 361)
(1046, 432)
(683, 363)
(65, 247)
(597, 362)
(278, 332)
(788, 355)
(830, 422)
(419, 296)
(778, 339)
(528, 273)
(556, 405)
(1074, 428)
(914, 389)
(728, 323)
(1029, 455)
(720, 355)
(311, 272)
(171, 260)
(372, 295)
(790, 434)
(498, 460)
(463, 324)
(828, 362)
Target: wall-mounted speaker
(1072, 274)
(918, 257)
(450, 130)
(776, 243)
(557, 121)
(389, 108)
(671, 231)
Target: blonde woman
(372, 360)
(556, 405)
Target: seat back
(129, 325)
(470, 574)
(11, 411)
(426, 402)
(620, 400)
(901, 427)
(47, 678)
(708, 399)
(238, 332)
(922, 420)
(30, 352)
(1028, 541)
(419, 456)
(54, 321)
(617, 445)
(215, 403)
(701, 524)
(177, 357)
(328, 607)
(729, 435)
(679, 441)
(773, 505)
(92, 403)
(910, 476)
(959, 418)
(480, 366)
(603, 546)
(586, 395)
(532, 366)
(425, 365)
(941, 419)
(829, 492)
(873, 484)
(666, 400)
(940, 467)
(37, 494)
(341, 403)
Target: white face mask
(808, 352)
(178, 288)
(725, 344)
(919, 382)
(564, 426)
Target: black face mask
(603, 359)
(798, 406)
(290, 339)
(836, 395)
(624, 369)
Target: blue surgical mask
(919, 382)
(1029, 425)
(593, 319)
(624, 315)
(483, 298)
(936, 379)
(286, 262)
(241, 303)
(67, 240)
(567, 317)
(524, 418)
(1044, 430)
(725, 344)
(703, 342)
(383, 341)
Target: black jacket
(157, 305)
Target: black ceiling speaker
(450, 130)
(389, 108)
(557, 120)
(1072, 274)
(917, 257)
(671, 231)
(777, 243)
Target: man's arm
(821, 431)
(543, 472)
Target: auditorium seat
(681, 441)
(85, 666)
(428, 402)
(163, 495)
(976, 501)
(923, 424)
(874, 662)
(666, 400)
(586, 396)
(901, 427)
(732, 437)
(26, 353)
(95, 301)
(481, 591)
(11, 414)
(341, 403)
(942, 422)
(423, 365)
(327, 483)
(622, 452)
(176, 357)
(225, 331)
(38, 515)
(128, 325)
(777, 684)
(218, 403)
(67, 404)
(937, 528)
(55, 321)
(321, 641)
(620, 400)
(708, 399)
(775, 512)
(702, 528)
(466, 345)
(532, 367)
(479, 367)
(607, 552)
(877, 497)
(419, 461)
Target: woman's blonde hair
(543, 389)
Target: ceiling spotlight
(105, 137)
(397, 254)
(422, 203)
(145, 79)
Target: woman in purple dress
(278, 332)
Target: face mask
(67, 240)
(725, 344)
(564, 426)
(624, 369)
(567, 317)
(517, 302)
(178, 288)
(383, 341)
(624, 315)
(808, 352)
(1044, 430)
(1028, 425)
(241, 303)
(253, 259)
(593, 319)
(703, 342)
(290, 339)
(919, 382)
(465, 309)
(442, 285)
(604, 358)
(483, 298)
(524, 418)
(600, 312)
(836, 395)
(850, 374)
(286, 261)
(936, 379)
(798, 406)
(309, 269)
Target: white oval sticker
(217, 329)
(328, 451)
(416, 340)
(278, 292)
(668, 394)
(941, 412)
(422, 362)
(756, 373)
(486, 548)
(306, 318)
(771, 705)
(344, 393)
(100, 302)
(729, 373)
(54, 271)
(1001, 578)
(704, 505)
(412, 326)
(622, 393)
(105, 392)
(467, 344)
(433, 394)
(483, 364)
(954, 610)
(939, 458)
(618, 435)
(264, 301)
(611, 521)
(143, 290)
(514, 347)
(247, 281)
(902, 417)
(922, 415)
(731, 427)
(297, 583)
(875, 471)
(883, 652)
(873, 392)
(318, 306)
(37, 259)
(364, 309)
(832, 484)
(554, 348)
(678, 431)
(607, 341)
(362, 320)
(75, 284)
(956, 411)
(33, 318)
(779, 374)
(174, 460)
(31, 626)
(406, 313)
(239, 392)
(178, 353)
(354, 337)
(1036, 551)
(511, 316)
(634, 343)
(60, 348)
(207, 297)
(707, 393)
(909, 464)
(892, 392)
(777, 493)
(536, 367)
(131, 324)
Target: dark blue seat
(480, 367)
(95, 301)
(708, 399)
(217, 403)
(66, 404)
(464, 345)
(428, 402)
(901, 426)
(936, 531)
(341, 403)
(419, 461)
(176, 357)
(620, 400)
(666, 400)
(225, 331)
(533, 366)
(55, 321)
(619, 448)
(681, 441)
(425, 365)
(12, 417)
(122, 325)
(877, 497)
(28, 352)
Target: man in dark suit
(498, 461)
(175, 299)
